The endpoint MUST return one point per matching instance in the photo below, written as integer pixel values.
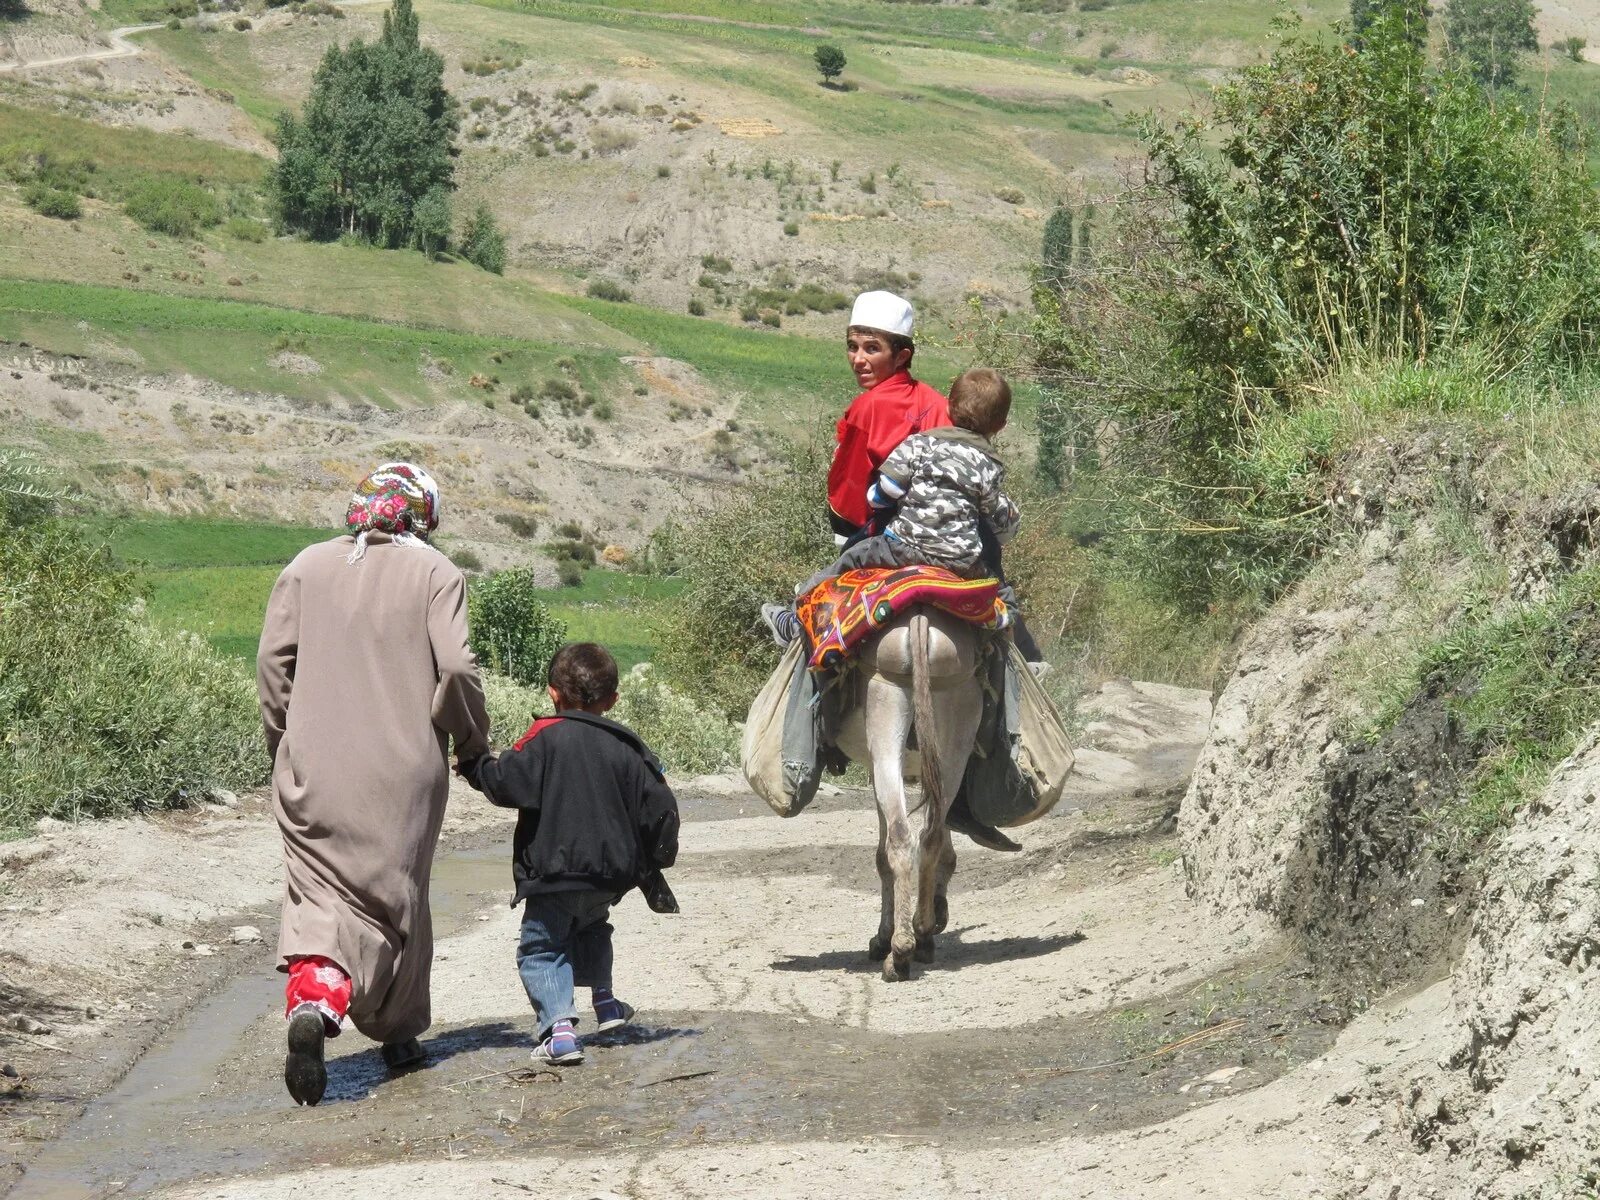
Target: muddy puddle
(207, 1102)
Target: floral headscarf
(399, 499)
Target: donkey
(921, 673)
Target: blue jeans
(566, 942)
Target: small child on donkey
(595, 819)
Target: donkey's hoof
(941, 913)
(897, 968)
(878, 949)
(924, 951)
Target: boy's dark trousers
(566, 942)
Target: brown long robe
(364, 674)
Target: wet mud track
(1077, 992)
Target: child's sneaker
(612, 1014)
(782, 622)
(560, 1049)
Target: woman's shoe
(303, 1069)
(397, 1056)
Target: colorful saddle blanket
(841, 613)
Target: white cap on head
(885, 311)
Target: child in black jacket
(595, 819)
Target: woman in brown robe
(365, 675)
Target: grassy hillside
(213, 578)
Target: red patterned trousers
(322, 984)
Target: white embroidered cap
(884, 311)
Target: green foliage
(1525, 687)
(753, 546)
(431, 221)
(1055, 258)
(482, 242)
(50, 201)
(569, 573)
(373, 140)
(1413, 13)
(512, 630)
(607, 289)
(245, 229)
(103, 714)
(1573, 47)
(1490, 36)
(173, 206)
(697, 307)
(686, 738)
(830, 61)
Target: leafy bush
(569, 573)
(684, 736)
(50, 201)
(1355, 214)
(606, 289)
(103, 714)
(482, 242)
(791, 228)
(1010, 195)
(697, 307)
(245, 229)
(753, 546)
(241, 24)
(512, 631)
(172, 206)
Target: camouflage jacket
(945, 482)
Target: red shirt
(877, 421)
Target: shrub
(606, 289)
(1010, 195)
(791, 228)
(104, 714)
(687, 739)
(512, 631)
(716, 263)
(1573, 47)
(558, 389)
(610, 140)
(241, 24)
(663, 171)
(245, 230)
(569, 572)
(482, 242)
(753, 546)
(772, 318)
(697, 307)
(869, 184)
(172, 206)
(465, 558)
(50, 201)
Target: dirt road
(1079, 1008)
(120, 47)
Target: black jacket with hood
(594, 809)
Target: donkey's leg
(941, 884)
(929, 855)
(878, 947)
(888, 724)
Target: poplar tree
(373, 140)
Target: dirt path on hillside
(120, 47)
(1078, 1002)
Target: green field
(213, 578)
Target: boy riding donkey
(953, 465)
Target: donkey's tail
(922, 716)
